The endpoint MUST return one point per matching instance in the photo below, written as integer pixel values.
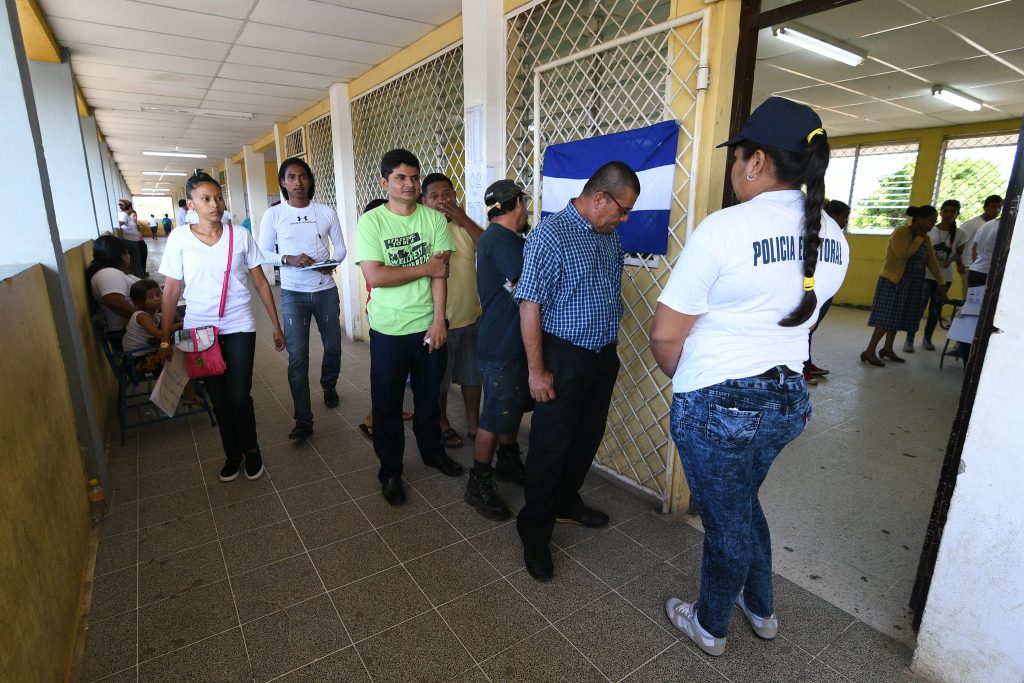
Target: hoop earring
(751, 177)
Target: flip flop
(406, 416)
(451, 439)
(367, 430)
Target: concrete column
(100, 196)
(30, 233)
(278, 149)
(256, 185)
(483, 77)
(345, 185)
(113, 189)
(54, 93)
(236, 194)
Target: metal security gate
(579, 68)
(320, 157)
(420, 110)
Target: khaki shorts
(462, 368)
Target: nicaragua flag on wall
(650, 151)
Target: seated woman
(109, 283)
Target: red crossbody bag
(206, 360)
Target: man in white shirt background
(181, 215)
(993, 204)
(296, 234)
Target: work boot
(481, 496)
(510, 467)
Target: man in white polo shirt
(296, 234)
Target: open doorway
(849, 502)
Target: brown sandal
(872, 359)
(451, 439)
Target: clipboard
(322, 264)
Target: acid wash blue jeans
(728, 436)
(297, 309)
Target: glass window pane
(974, 168)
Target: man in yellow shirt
(462, 308)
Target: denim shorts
(506, 392)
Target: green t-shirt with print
(401, 241)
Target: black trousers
(392, 359)
(565, 434)
(231, 394)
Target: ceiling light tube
(187, 155)
(958, 99)
(194, 111)
(176, 173)
(820, 44)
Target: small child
(143, 330)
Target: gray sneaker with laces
(683, 616)
(766, 627)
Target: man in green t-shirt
(402, 248)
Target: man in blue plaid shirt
(570, 305)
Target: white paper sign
(962, 328)
(170, 384)
(975, 297)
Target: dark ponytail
(805, 168)
(952, 229)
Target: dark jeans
(144, 255)
(297, 308)
(933, 305)
(810, 337)
(728, 436)
(565, 434)
(231, 395)
(137, 263)
(392, 359)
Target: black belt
(773, 373)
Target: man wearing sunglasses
(570, 306)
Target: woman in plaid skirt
(900, 289)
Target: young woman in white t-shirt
(195, 259)
(109, 284)
(731, 330)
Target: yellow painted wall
(867, 252)
(270, 168)
(44, 516)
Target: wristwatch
(165, 345)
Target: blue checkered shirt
(575, 274)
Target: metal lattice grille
(639, 80)
(321, 159)
(295, 144)
(974, 168)
(875, 181)
(421, 111)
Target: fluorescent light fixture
(161, 173)
(947, 94)
(194, 111)
(820, 44)
(187, 155)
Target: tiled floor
(308, 575)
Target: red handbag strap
(227, 272)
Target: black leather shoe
(447, 465)
(538, 562)
(588, 517)
(393, 491)
(331, 398)
(301, 430)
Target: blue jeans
(728, 436)
(297, 309)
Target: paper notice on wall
(476, 174)
(170, 384)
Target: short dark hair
(181, 203)
(198, 179)
(507, 206)
(395, 158)
(923, 211)
(139, 290)
(612, 178)
(834, 208)
(434, 178)
(295, 161)
(374, 203)
(992, 199)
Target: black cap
(502, 191)
(780, 123)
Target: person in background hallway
(840, 213)
(154, 226)
(982, 249)
(990, 210)
(403, 250)
(133, 217)
(247, 224)
(182, 214)
(898, 293)
(500, 352)
(132, 237)
(167, 224)
(731, 330)
(195, 259)
(948, 243)
(294, 235)
(570, 306)
(462, 309)
(110, 285)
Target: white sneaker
(908, 346)
(766, 627)
(683, 616)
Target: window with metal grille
(421, 111)
(320, 158)
(222, 178)
(875, 181)
(973, 168)
(295, 143)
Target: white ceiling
(974, 46)
(270, 58)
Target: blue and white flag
(650, 151)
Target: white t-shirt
(985, 241)
(111, 281)
(944, 249)
(970, 229)
(191, 217)
(135, 335)
(201, 268)
(741, 272)
(225, 219)
(181, 217)
(310, 230)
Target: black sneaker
(253, 465)
(482, 497)
(393, 491)
(447, 466)
(510, 467)
(301, 430)
(230, 470)
(331, 398)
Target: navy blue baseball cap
(780, 123)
